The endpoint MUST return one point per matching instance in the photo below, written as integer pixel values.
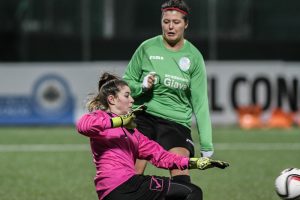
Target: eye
(166, 21)
(127, 95)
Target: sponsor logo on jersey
(156, 57)
(175, 82)
(184, 63)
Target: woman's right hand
(148, 81)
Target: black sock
(182, 178)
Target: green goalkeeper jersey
(180, 87)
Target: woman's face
(121, 104)
(173, 26)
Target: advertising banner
(56, 93)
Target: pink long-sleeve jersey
(115, 151)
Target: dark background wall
(77, 30)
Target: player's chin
(172, 39)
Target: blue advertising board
(50, 102)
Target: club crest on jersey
(184, 63)
(156, 184)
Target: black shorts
(141, 187)
(165, 132)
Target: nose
(131, 99)
(171, 25)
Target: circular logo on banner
(184, 63)
(51, 96)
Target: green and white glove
(127, 120)
(206, 163)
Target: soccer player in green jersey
(167, 73)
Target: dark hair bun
(106, 77)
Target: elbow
(82, 128)
(88, 130)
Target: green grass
(29, 172)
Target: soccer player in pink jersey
(116, 144)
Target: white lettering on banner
(22, 111)
(261, 90)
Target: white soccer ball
(287, 184)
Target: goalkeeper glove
(127, 120)
(124, 120)
(206, 163)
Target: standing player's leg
(177, 139)
(176, 173)
(146, 125)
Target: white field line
(86, 147)
(258, 146)
(43, 147)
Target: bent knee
(196, 193)
(180, 151)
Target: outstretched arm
(153, 152)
